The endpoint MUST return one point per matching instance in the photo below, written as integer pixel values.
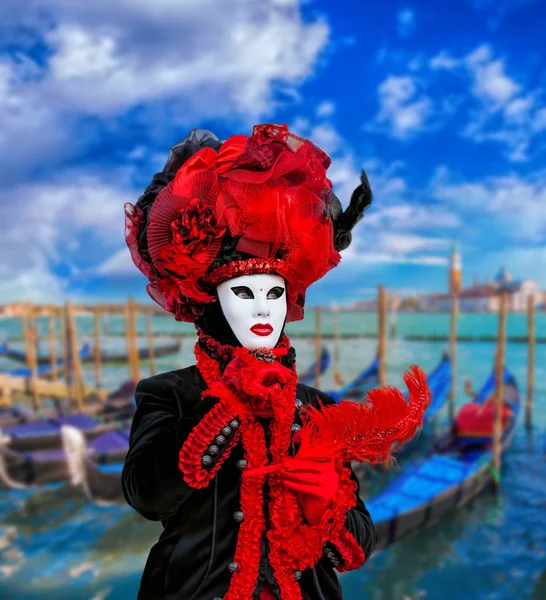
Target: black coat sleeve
(358, 521)
(152, 482)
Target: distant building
(481, 297)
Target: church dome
(503, 276)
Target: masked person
(230, 235)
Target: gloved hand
(316, 483)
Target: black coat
(190, 560)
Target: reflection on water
(54, 545)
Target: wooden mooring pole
(318, 344)
(150, 334)
(499, 390)
(65, 347)
(132, 341)
(531, 363)
(32, 356)
(453, 355)
(382, 334)
(75, 383)
(97, 314)
(52, 345)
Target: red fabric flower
(272, 190)
(312, 252)
(195, 230)
(188, 179)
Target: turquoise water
(55, 545)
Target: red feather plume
(365, 431)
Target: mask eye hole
(243, 292)
(275, 293)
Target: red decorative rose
(196, 231)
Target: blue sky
(443, 104)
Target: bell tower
(455, 271)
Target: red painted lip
(260, 329)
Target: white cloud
(218, 59)
(539, 121)
(56, 225)
(403, 243)
(503, 111)
(325, 136)
(119, 264)
(385, 179)
(512, 205)
(491, 84)
(443, 60)
(36, 284)
(403, 109)
(325, 109)
(405, 22)
(31, 129)
(378, 257)
(518, 109)
(196, 60)
(413, 217)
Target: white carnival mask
(255, 308)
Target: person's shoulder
(308, 394)
(176, 382)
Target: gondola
(458, 469)
(23, 432)
(43, 368)
(43, 460)
(105, 357)
(117, 406)
(101, 483)
(309, 375)
(45, 434)
(32, 468)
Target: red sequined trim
(251, 266)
